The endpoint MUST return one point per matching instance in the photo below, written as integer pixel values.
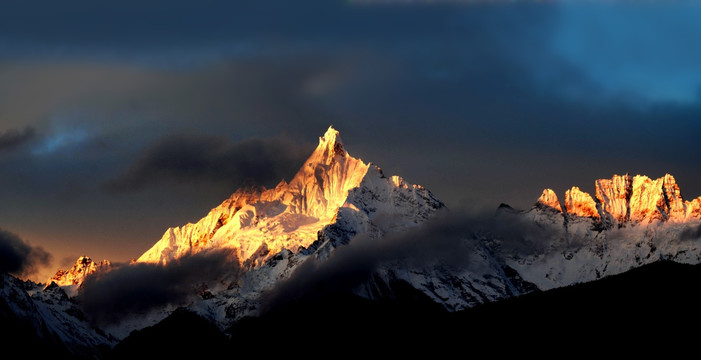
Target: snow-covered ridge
(54, 316)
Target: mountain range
(341, 238)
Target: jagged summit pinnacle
(330, 146)
(331, 136)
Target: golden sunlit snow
(258, 223)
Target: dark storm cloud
(209, 27)
(133, 289)
(13, 138)
(111, 98)
(450, 239)
(487, 73)
(187, 158)
(19, 258)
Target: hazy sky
(118, 121)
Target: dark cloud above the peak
(193, 158)
(17, 257)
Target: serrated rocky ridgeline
(627, 199)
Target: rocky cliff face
(548, 200)
(82, 268)
(579, 203)
(628, 199)
(675, 206)
(613, 195)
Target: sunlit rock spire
(614, 195)
(579, 203)
(548, 200)
(82, 268)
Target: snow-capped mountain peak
(82, 268)
(321, 186)
(258, 223)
